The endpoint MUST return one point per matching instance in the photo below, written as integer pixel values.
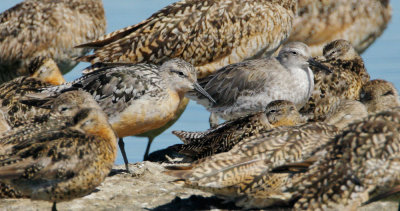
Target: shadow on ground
(197, 202)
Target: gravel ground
(147, 188)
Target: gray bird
(247, 87)
(137, 98)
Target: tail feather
(188, 137)
(111, 37)
(394, 191)
(87, 58)
(298, 167)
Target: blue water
(382, 61)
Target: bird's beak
(314, 63)
(200, 89)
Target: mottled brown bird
(345, 82)
(57, 113)
(345, 112)
(379, 95)
(320, 22)
(47, 28)
(242, 174)
(44, 72)
(209, 34)
(227, 135)
(59, 164)
(360, 165)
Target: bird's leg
(121, 145)
(54, 207)
(398, 208)
(214, 120)
(146, 154)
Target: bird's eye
(272, 111)
(388, 93)
(180, 73)
(63, 108)
(294, 52)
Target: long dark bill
(200, 89)
(314, 63)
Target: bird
(47, 28)
(156, 132)
(137, 98)
(379, 95)
(46, 69)
(61, 163)
(209, 34)
(43, 73)
(320, 22)
(225, 136)
(361, 165)
(58, 112)
(345, 82)
(242, 174)
(345, 112)
(246, 87)
(253, 173)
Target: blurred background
(382, 60)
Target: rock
(146, 188)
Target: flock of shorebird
(305, 127)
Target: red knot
(247, 87)
(156, 132)
(47, 28)
(320, 22)
(137, 97)
(209, 34)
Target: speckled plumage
(227, 135)
(345, 82)
(209, 34)
(46, 70)
(137, 97)
(322, 21)
(60, 163)
(247, 87)
(242, 174)
(47, 28)
(361, 163)
(44, 73)
(379, 95)
(56, 113)
(345, 112)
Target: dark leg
(398, 208)
(54, 208)
(121, 145)
(146, 154)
